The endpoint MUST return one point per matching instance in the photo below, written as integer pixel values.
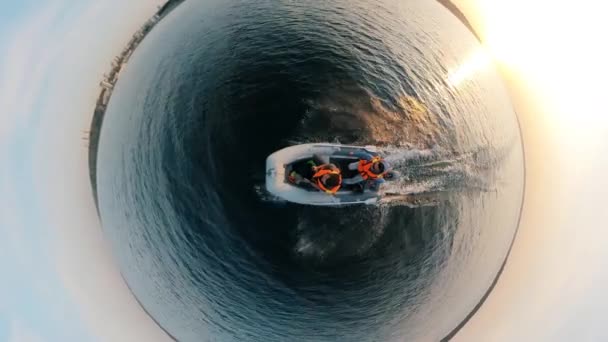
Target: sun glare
(476, 62)
(554, 46)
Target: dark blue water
(219, 85)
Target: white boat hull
(277, 184)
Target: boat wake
(426, 177)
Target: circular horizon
(215, 88)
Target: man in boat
(372, 169)
(325, 177)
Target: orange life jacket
(365, 166)
(322, 172)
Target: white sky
(554, 285)
(65, 286)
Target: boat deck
(303, 168)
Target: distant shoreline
(449, 5)
(107, 86)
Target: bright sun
(555, 46)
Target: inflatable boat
(280, 164)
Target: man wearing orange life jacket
(325, 177)
(372, 170)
